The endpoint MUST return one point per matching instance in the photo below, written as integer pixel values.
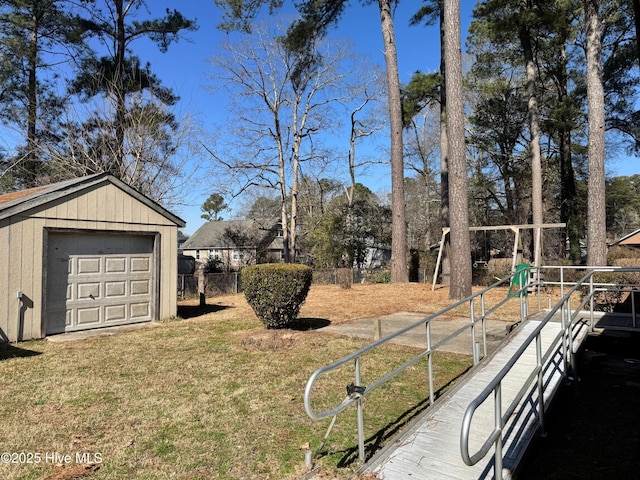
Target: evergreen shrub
(276, 291)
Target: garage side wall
(104, 208)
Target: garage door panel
(113, 313)
(140, 287)
(115, 289)
(88, 266)
(88, 291)
(98, 280)
(115, 265)
(88, 315)
(139, 310)
(141, 264)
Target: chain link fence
(231, 282)
(213, 284)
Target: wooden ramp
(430, 448)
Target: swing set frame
(517, 244)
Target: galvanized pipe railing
(595, 287)
(568, 318)
(356, 392)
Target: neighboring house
(630, 240)
(234, 244)
(86, 253)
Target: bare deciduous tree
(159, 158)
(421, 151)
(363, 122)
(285, 104)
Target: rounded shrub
(276, 291)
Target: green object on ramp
(520, 280)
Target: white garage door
(98, 280)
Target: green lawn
(215, 396)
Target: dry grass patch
(212, 396)
(338, 305)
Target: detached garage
(82, 254)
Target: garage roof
(18, 202)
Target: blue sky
(185, 68)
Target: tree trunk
(117, 166)
(444, 159)
(568, 193)
(284, 220)
(399, 270)
(636, 14)
(31, 162)
(282, 180)
(458, 200)
(534, 142)
(596, 212)
(293, 221)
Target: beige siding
(105, 208)
(15, 278)
(5, 297)
(28, 268)
(99, 209)
(21, 270)
(169, 278)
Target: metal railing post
(430, 364)
(540, 383)
(539, 289)
(361, 454)
(474, 347)
(591, 318)
(563, 334)
(633, 308)
(498, 426)
(484, 326)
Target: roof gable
(18, 202)
(230, 233)
(632, 238)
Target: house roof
(217, 234)
(632, 238)
(18, 202)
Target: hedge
(276, 291)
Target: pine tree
(122, 78)
(35, 36)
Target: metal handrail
(356, 391)
(568, 318)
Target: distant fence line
(231, 282)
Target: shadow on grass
(304, 324)
(379, 439)
(191, 311)
(8, 351)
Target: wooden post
(377, 324)
(202, 285)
